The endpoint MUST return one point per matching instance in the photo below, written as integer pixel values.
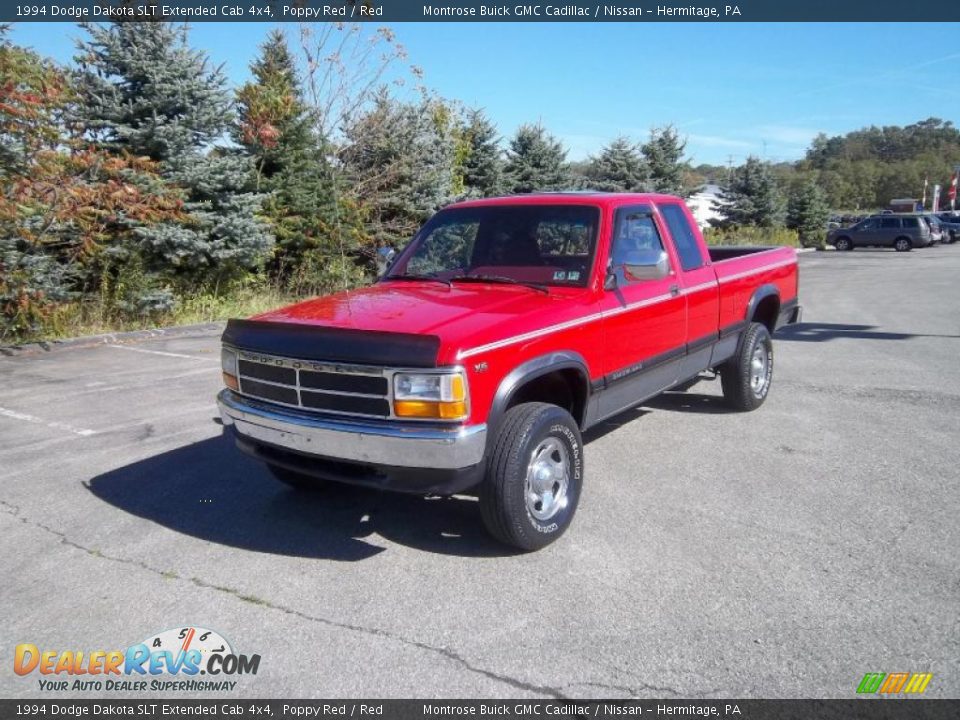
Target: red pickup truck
(505, 329)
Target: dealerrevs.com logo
(894, 683)
(167, 661)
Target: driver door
(645, 321)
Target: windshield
(544, 244)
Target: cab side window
(890, 223)
(634, 230)
(687, 246)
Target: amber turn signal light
(456, 410)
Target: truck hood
(461, 316)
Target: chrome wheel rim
(901, 244)
(759, 367)
(548, 479)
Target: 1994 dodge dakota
(506, 328)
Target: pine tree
(144, 91)
(752, 197)
(535, 161)
(808, 212)
(664, 156)
(619, 168)
(399, 161)
(273, 123)
(275, 128)
(483, 166)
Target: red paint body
(503, 326)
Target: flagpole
(953, 187)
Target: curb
(44, 346)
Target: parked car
(937, 234)
(951, 226)
(901, 231)
(505, 329)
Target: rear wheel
(746, 377)
(296, 480)
(902, 244)
(535, 472)
(843, 243)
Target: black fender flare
(531, 370)
(761, 293)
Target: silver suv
(901, 231)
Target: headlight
(442, 396)
(228, 362)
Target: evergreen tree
(143, 90)
(275, 128)
(618, 168)
(399, 162)
(808, 212)
(535, 161)
(752, 197)
(483, 166)
(663, 153)
(273, 123)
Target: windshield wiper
(413, 276)
(540, 287)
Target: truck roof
(579, 197)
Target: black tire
(902, 244)
(843, 244)
(737, 375)
(296, 480)
(529, 430)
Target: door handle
(674, 290)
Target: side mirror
(385, 256)
(646, 265)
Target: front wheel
(746, 376)
(534, 476)
(843, 244)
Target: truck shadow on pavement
(823, 332)
(211, 491)
(689, 402)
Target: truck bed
(719, 253)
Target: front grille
(334, 388)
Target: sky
(732, 89)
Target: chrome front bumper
(386, 443)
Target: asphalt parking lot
(781, 553)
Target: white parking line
(49, 423)
(161, 352)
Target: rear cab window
(911, 223)
(691, 256)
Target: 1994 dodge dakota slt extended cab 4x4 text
(501, 332)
